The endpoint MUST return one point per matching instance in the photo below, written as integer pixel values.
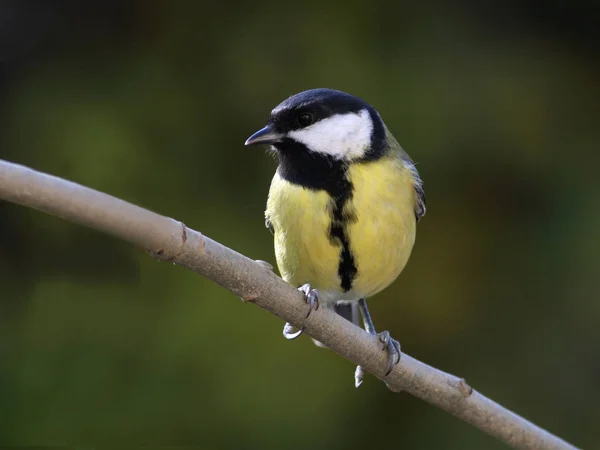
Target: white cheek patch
(343, 136)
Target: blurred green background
(151, 101)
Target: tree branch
(170, 240)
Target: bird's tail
(348, 310)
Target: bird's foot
(311, 296)
(389, 345)
(392, 347)
(289, 332)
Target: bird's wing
(420, 201)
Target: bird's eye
(305, 119)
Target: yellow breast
(381, 234)
(301, 219)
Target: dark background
(152, 101)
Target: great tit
(343, 205)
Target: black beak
(264, 136)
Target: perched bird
(343, 205)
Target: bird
(343, 205)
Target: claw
(389, 345)
(392, 347)
(359, 374)
(289, 333)
(311, 296)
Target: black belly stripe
(314, 171)
(347, 267)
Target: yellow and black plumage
(344, 202)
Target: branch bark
(170, 240)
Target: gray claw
(311, 296)
(289, 333)
(392, 347)
(359, 374)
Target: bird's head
(326, 123)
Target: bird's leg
(352, 316)
(311, 296)
(388, 344)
